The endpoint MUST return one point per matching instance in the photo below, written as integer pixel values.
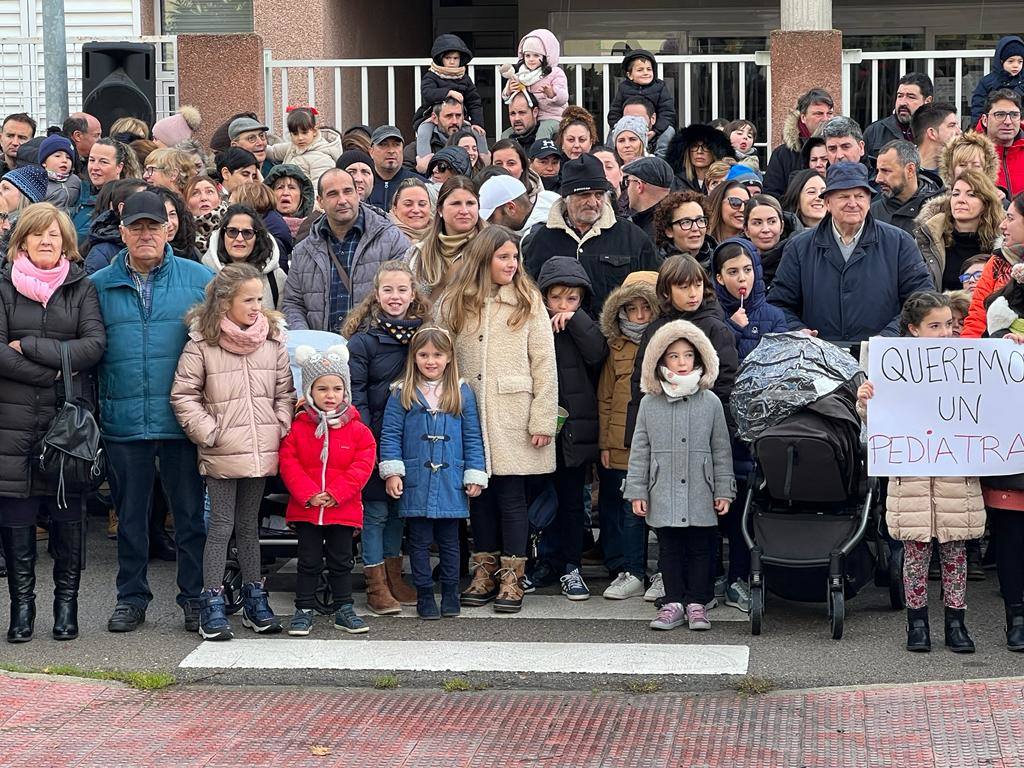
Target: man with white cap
(505, 200)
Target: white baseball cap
(497, 191)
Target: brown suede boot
(378, 596)
(510, 595)
(400, 589)
(483, 588)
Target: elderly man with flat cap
(583, 226)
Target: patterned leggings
(953, 560)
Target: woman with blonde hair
(46, 303)
(128, 129)
(506, 351)
(169, 168)
(456, 222)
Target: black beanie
(1013, 48)
(347, 158)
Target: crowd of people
(541, 319)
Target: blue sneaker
(256, 613)
(426, 605)
(213, 623)
(574, 587)
(346, 620)
(450, 606)
(301, 623)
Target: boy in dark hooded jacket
(641, 70)
(446, 77)
(1007, 66)
(580, 351)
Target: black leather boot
(20, 547)
(1015, 627)
(957, 639)
(919, 637)
(67, 571)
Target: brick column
(220, 75)
(801, 61)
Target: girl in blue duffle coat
(432, 461)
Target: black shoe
(957, 639)
(975, 571)
(192, 609)
(3, 565)
(20, 545)
(543, 575)
(918, 636)
(66, 542)
(126, 618)
(1015, 627)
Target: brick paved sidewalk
(47, 721)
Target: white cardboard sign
(945, 407)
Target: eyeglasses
(234, 232)
(735, 202)
(149, 170)
(701, 222)
(969, 277)
(1001, 116)
(146, 227)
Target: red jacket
(352, 454)
(1011, 164)
(994, 276)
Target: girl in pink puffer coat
(537, 71)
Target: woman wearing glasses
(725, 210)
(693, 150)
(243, 237)
(681, 226)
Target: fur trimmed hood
(979, 140)
(791, 131)
(999, 316)
(713, 138)
(662, 339)
(637, 285)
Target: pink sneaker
(670, 616)
(697, 616)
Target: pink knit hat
(178, 127)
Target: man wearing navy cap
(847, 278)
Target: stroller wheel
(897, 598)
(323, 597)
(836, 612)
(756, 609)
(232, 585)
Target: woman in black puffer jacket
(45, 299)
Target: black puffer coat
(29, 390)
(434, 88)
(580, 351)
(770, 259)
(376, 361)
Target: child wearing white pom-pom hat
(325, 461)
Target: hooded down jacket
(436, 82)
(996, 79)
(272, 273)
(306, 191)
(613, 387)
(29, 390)
(551, 107)
(512, 372)
(235, 408)
(315, 160)
(580, 351)
(656, 92)
(762, 317)
(104, 242)
(680, 460)
(350, 456)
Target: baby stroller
(276, 539)
(809, 500)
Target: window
(206, 16)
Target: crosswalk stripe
(472, 656)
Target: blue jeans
(132, 468)
(424, 531)
(382, 531)
(622, 532)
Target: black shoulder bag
(72, 457)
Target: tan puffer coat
(513, 375)
(946, 508)
(613, 388)
(236, 408)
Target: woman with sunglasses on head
(243, 237)
(681, 226)
(725, 207)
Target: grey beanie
(314, 364)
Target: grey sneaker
(656, 590)
(301, 623)
(670, 616)
(738, 596)
(721, 584)
(346, 620)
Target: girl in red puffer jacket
(325, 461)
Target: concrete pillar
(220, 75)
(806, 53)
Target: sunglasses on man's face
(442, 168)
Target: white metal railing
(870, 78)
(699, 84)
(22, 80)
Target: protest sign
(945, 407)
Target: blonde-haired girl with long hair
(233, 396)
(505, 349)
(432, 461)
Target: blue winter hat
(744, 174)
(30, 180)
(55, 143)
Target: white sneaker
(625, 586)
(656, 590)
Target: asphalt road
(794, 652)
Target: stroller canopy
(784, 373)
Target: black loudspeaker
(119, 80)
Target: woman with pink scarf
(45, 301)
(234, 398)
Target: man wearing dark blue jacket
(847, 278)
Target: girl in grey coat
(680, 467)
